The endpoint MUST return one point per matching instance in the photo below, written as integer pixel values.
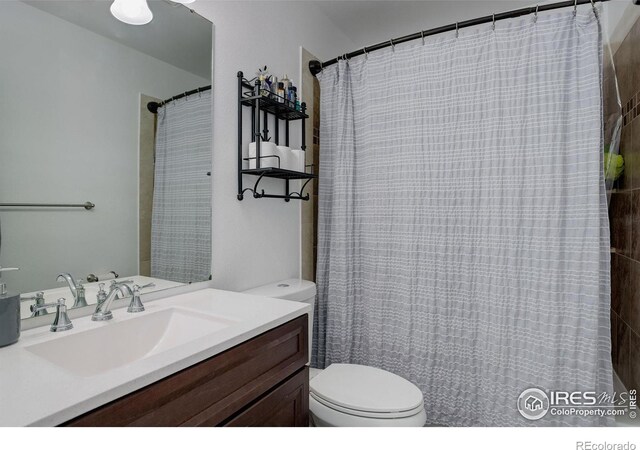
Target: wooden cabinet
(285, 406)
(261, 382)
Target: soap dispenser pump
(9, 313)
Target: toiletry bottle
(281, 94)
(293, 96)
(9, 313)
(287, 84)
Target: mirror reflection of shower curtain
(181, 217)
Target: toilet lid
(364, 389)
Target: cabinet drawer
(286, 406)
(213, 390)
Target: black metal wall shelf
(272, 105)
(283, 174)
(281, 110)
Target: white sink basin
(49, 378)
(113, 345)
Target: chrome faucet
(39, 301)
(115, 283)
(103, 310)
(61, 322)
(72, 285)
(136, 303)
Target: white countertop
(36, 392)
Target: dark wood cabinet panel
(286, 405)
(215, 390)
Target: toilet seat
(323, 416)
(368, 414)
(367, 392)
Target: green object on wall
(613, 166)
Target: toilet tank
(293, 289)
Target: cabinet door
(286, 406)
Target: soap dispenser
(9, 313)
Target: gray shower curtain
(181, 217)
(463, 236)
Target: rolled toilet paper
(268, 153)
(297, 160)
(285, 157)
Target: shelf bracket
(255, 187)
(299, 194)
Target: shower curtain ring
(493, 20)
(535, 15)
(422, 35)
(393, 46)
(366, 54)
(575, 7)
(457, 31)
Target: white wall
(256, 241)
(69, 102)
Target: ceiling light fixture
(133, 12)
(184, 2)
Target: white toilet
(351, 395)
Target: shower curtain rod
(153, 106)
(316, 66)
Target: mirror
(92, 182)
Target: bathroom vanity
(262, 382)
(197, 357)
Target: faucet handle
(38, 296)
(136, 303)
(39, 300)
(102, 294)
(61, 322)
(80, 299)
